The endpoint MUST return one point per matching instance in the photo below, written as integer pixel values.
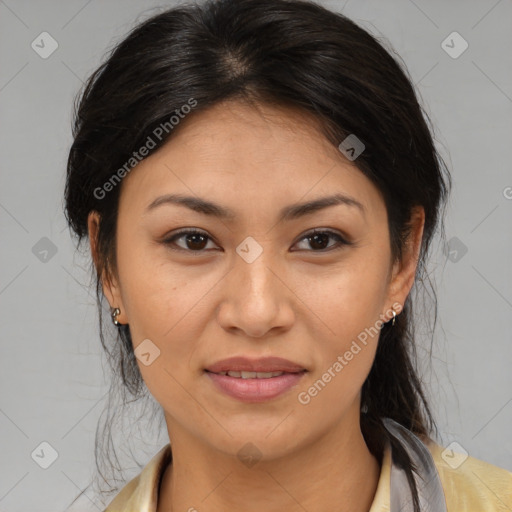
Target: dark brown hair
(277, 52)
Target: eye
(197, 241)
(318, 239)
(193, 240)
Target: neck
(336, 472)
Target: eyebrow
(290, 212)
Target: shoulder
(469, 484)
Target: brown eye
(318, 240)
(193, 241)
(197, 241)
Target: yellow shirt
(474, 486)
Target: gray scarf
(430, 490)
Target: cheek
(349, 302)
(155, 294)
(163, 307)
(349, 299)
(166, 305)
(346, 344)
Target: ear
(404, 271)
(109, 283)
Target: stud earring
(114, 313)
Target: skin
(296, 301)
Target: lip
(255, 390)
(262, 364)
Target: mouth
(254, 387)
(252, 375)
(249, 368)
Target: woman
(260, 190)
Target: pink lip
(255, 390)
(263, 364)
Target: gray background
(52, 378)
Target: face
(268, 279)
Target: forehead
(245, 155)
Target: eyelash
(341, 241)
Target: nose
(256, 299)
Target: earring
(114, 313)
(394, 316)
